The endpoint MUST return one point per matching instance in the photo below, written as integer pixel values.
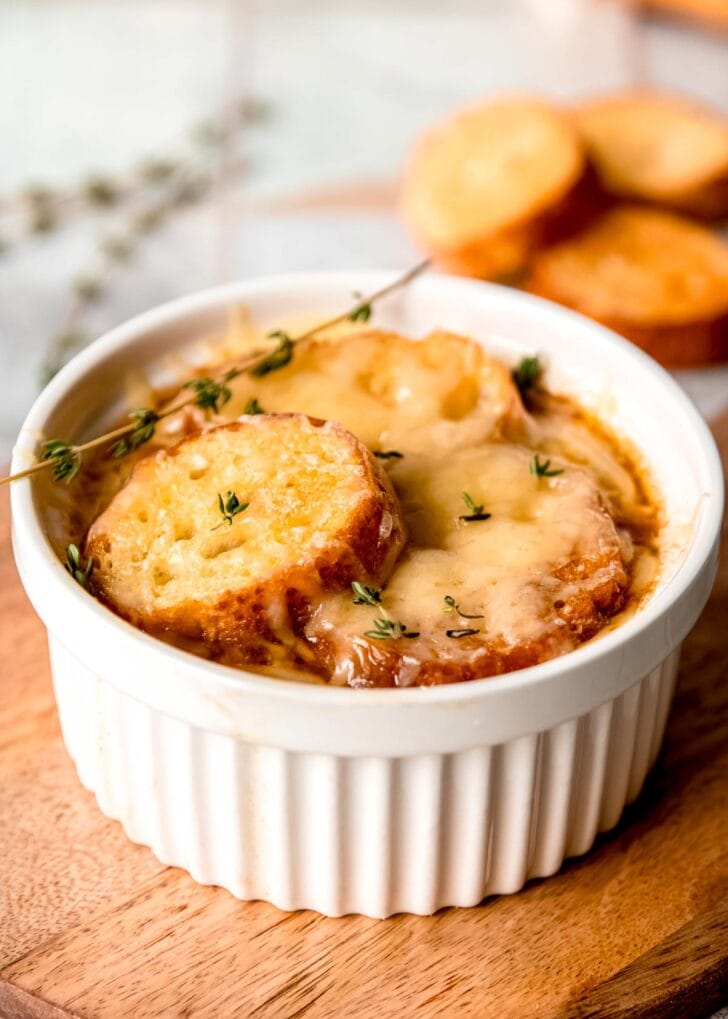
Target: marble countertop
(94, 86)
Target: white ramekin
(374, 801)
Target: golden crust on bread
(657, 278)
(320, 513)
(659, 148)
(480, 188)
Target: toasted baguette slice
(481, 188)
(541, 574)
(658, 279)
(661, 149)
(320, 513)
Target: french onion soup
(373, 511)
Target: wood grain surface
(93, 926)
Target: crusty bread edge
(360, 552)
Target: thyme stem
(247, 364)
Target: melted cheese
(454, 415)
(443, 392)
(503, 570)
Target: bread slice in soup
(230, 535)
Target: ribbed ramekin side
(374, 835)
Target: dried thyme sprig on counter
(208, 394)
(142, 200)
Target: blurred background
(154, 147)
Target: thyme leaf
(388, 454)
(365, 595)
(253, 407)
(362, 312)
(461, 633)
(542, 469)
(229, 507)
(452, 606)
(209, 394)
(278, 358)
(79, 568)
(477, 510)
(145, 424)
(527, 374)
(389, 629)
(65, 458)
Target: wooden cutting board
(91, 925)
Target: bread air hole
(161, 576)
(219, 545)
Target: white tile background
(95, 84)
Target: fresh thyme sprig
(65, 459)
(211, 395)
(79, 569)
(542, 469)
(208, 394)
(363, 311)
(384, 627)
(527, 374)
(452, 606)
(277, 358)
(477, 510)
(389, 629)
(145, 425)
(364, 595)
(229, 508)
